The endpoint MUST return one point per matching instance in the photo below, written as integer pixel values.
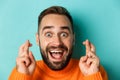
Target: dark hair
(55, 10)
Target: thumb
(83, 59)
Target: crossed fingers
(24, 49)
(24, 53)
(90, 49)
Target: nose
(57, 41)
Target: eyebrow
(65, 28)
(62, 27)
(47, 27)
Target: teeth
(56, 54)
(55, 51)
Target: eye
(64, 34)
(48, 34)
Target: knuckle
(18, 60)
(27, 59)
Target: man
(55, 38)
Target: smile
(56, 55)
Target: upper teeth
(55, 51)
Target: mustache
(57, 47)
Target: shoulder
(102, 70)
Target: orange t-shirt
(70, 72)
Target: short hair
(55, 10)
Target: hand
(89, 64)
(25, 62)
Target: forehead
(55, 20)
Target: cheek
(43, 44)
(68, 43)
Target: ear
(37, 38)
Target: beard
(59, 65)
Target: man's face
(55, 39)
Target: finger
(23, 61)
(87, 45)
(91, 54)
(84, 42)
(92, 48)
(23, 54)
(89, 61)
(31, 57)
(94, 60)
(21, 49)
(27, 45)
(83, 59)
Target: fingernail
(87, 40)
(84, 42)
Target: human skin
(56, 30)
(55, 39)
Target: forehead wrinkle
(47, 27)
(52, 27)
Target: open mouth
(56, 55)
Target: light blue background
(96, 20)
